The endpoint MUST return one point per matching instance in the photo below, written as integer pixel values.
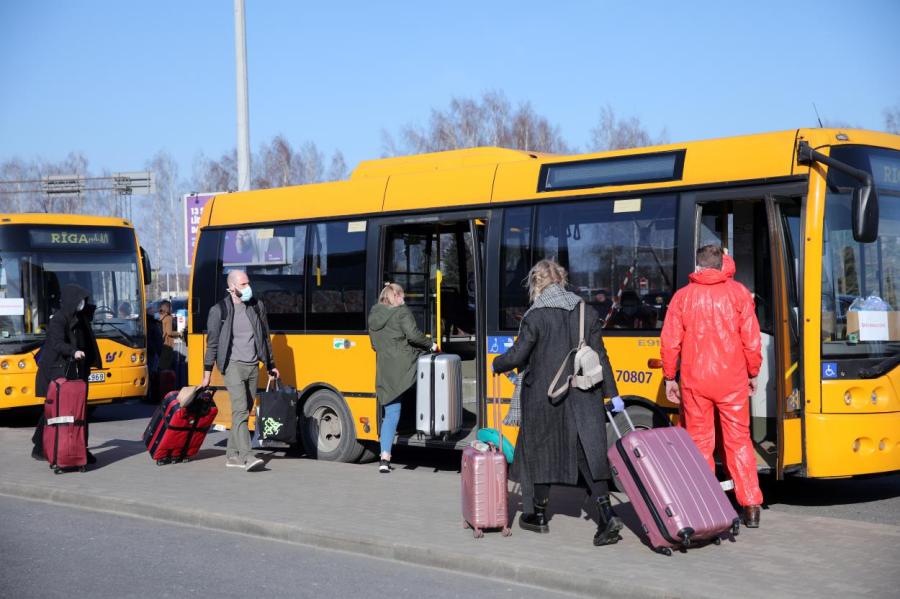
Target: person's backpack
(587, 372)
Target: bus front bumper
(852, 444)
(17, 390)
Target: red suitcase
(671, 487)
(179, 426)
(65, 433)
(166, 383)
(484, 485)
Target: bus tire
(326, 428)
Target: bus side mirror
(864, 213)
(145, 266)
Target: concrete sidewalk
(413, 515)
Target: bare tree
(161, 219)
(215, 175)
(277, 164)
(28, 197)
(618, 133)
(467, 123)
(338, 168)
(892, 120)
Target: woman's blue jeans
(389, 425)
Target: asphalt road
(873, 499)
(48, 550)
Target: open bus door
(784, 226)
(760, 228)
(439, 262)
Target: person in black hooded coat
(70, 342)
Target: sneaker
(234, 462)
(253, 463)
(384, 467)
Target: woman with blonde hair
(562, 440)
(398, 343)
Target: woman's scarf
(553, 296)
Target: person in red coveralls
(711, 325)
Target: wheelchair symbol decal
(829, 370)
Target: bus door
(784, 222)
(439, 263)
(756, 230)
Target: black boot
(610, 524)
(537, 521)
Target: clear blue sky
(121, 80)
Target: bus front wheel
(327, 430)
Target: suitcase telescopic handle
(612, 420)
(498, 421)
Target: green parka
(397, 342)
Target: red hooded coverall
(711, 324)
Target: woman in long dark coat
(70, 340)
(561, 441)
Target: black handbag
(277, 417)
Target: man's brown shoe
(751, 516)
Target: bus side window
(620, 255)
(207, 289)
(515, 262)
(336, 277)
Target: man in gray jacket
(237, 341)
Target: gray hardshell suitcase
(439, 395)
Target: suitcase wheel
(83, 469)
(477, 533)
(57, 470)
(506, 531)
(736, 527)
(717, 541)
(664, 551)
(162, 462)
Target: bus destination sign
(68, 238)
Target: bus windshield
(860, 299)
(35, 266)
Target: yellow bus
(39, 255)
(810, 216)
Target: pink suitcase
(484, 485)
(674, 493)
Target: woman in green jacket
(397, 342)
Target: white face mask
(80, 306)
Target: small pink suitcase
(671, 487)
(484, 484)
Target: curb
(489, 567)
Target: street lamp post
(243, 117)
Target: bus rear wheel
(327, 430)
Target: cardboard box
(874, 326)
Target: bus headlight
(133, 358)
(142, 358)
(21, 363)
(8, 390)
(4, 365)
